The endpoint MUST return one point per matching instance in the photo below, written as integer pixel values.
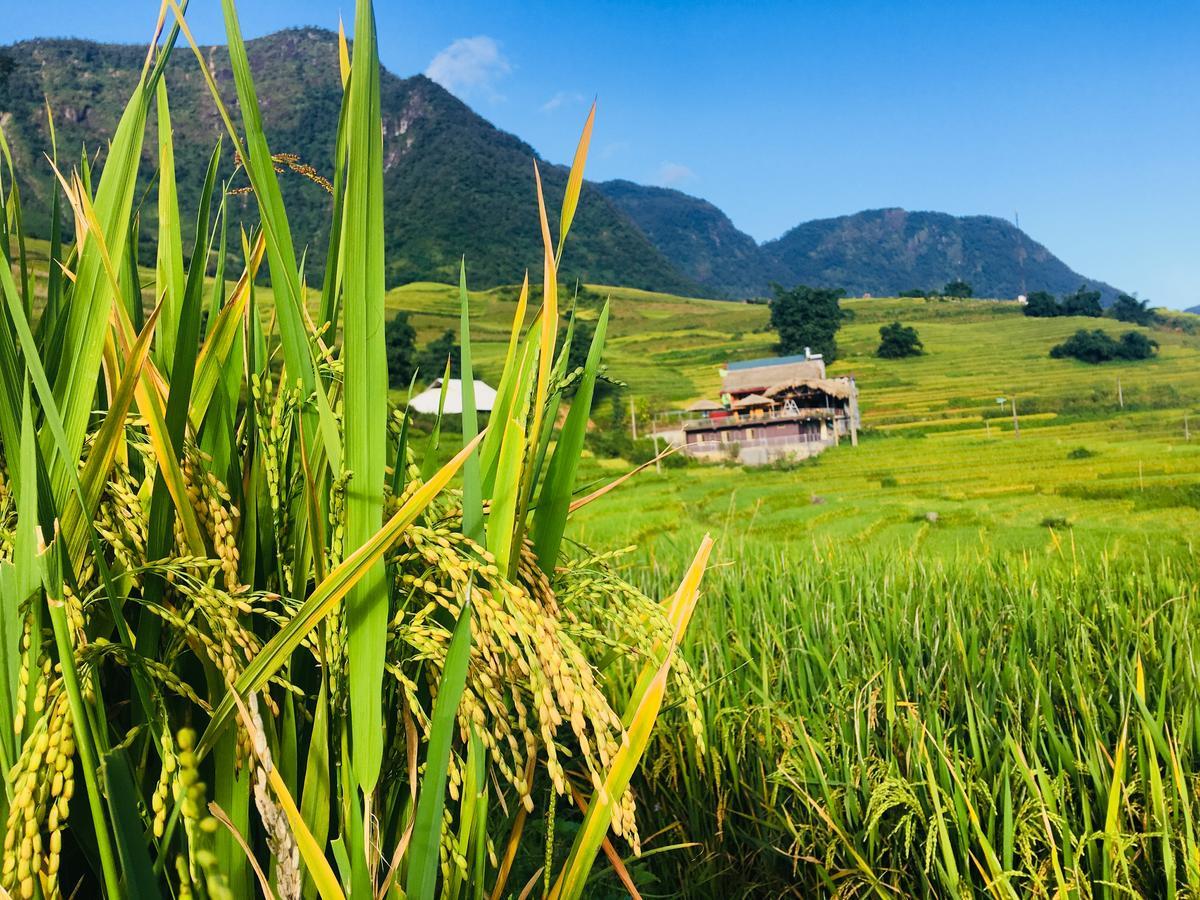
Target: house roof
(704, 406)
(753, 400)
(768, 361)
(755, 379)
(842, 388)
(427, 400)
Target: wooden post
(1187, 435)
(632, 418)
(1141, 477)
(1016, 423)
(987, 427)
(1120, 394)
(657, 461)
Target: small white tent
(427, 400)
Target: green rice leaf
(277, 651)
(365, 385)
(425, 849)
(554, 502)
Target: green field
(935, 440)
(950, 661)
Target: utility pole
(1120, 393)
(1187, 435)
(632, 418)
(657, 461)
(1016, 424)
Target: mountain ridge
(458, 185)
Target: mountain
(880, 252)
(698, 238)
(885, 251)
(455, 184)
(1193, 309)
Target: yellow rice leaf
(575, 181)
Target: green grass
(862, 707)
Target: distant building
(430, 399)
(776, 408)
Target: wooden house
(783, 407)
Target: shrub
(1082, 303)
(399, 339)
(1130, 309)
(1081, 453)
(437, 352)
(897, 341)
(807, 317)
(1041, 305)
(1098, 346)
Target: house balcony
(741, 419)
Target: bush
(1130, 309)
(1041, 305)
(807, 317)
(1083, 302)
(1097, 346)
(958, 289)
(434, 356)
(399, 338)
(1081, 453)
(897, 341)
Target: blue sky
(1083, 118)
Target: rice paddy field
(263, 634)
(949, 662)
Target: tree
(897, 341)
(1087, 346)
(1097, 346)
(1082, 303)
(807, 317)
(1042, 305)
(433, 359)
(1135, 345)
(400, 339)
(1130, 309)
(958, 288)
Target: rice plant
(252, 642)
(893, 725)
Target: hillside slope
(455, 184)
(886, 251)
(698, 238)
(881, 252)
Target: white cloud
(470, 65)
(673, 173)
(562, 98)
